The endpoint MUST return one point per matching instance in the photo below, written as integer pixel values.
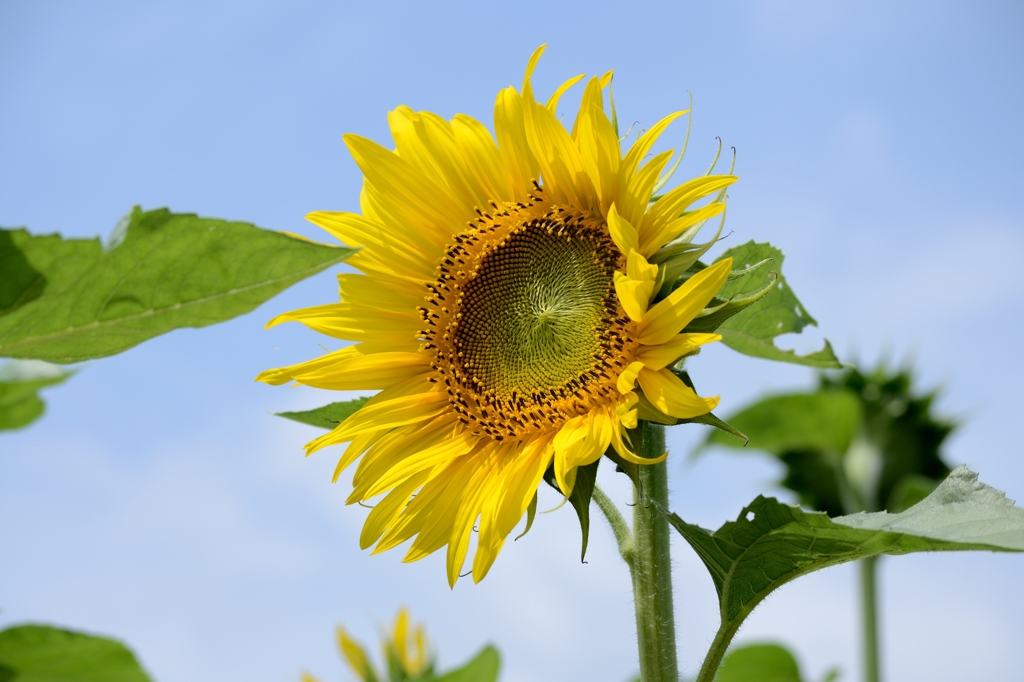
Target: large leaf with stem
(771, 543)
(68, 300)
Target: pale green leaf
(752, 330)
(824, 421)
(328, 416)
(771, 543)
(759, 663)
(37, 653)
(67, 300)
(20, 382)
(484, 667)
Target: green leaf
(771, 543)
(752, 330)
(759, 663)
(582, 491)
(484, 667)
(825, 421)
(860, 442)
(37, 653)
(20, 381)
(68, 300)
(328, 416)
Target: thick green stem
(652, 565)
(869, 605)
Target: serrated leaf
(38, 653)
(68, 300)
(20, 382)
(752, 331)
(582, 492)
(328, 416)
(771, 543)
(759, 663)
(484, 667)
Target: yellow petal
(668, 317)
(622, 232)
(634, 295)
(659, 357)
(627, 378)
(510, 131)
(669, 394)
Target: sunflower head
(519, 296)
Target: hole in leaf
(751, 516)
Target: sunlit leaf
(37, 653)
(20, 382)
(771, 543)
(328, 416)
(67, 300)
(752, 330)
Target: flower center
(523, 319)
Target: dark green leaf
(20, 381)
(759, 663)
(484, 667)
(582, 491)
(37, 653)
(771, 543)
(67, 300)
(328, 416)
(752, 330)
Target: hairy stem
(869, 606)
(652, 566)
(620, 528)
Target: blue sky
(158, 501)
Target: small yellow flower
(509, 324)
(405, 653)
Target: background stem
(652, 565)
(869, 606)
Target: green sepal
(582, 491)
(20, 382)
(622, 466)
(531, 514)
(328, 416)
(718, 311)
(39, 653)
(68, 300)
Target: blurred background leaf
(39, 653)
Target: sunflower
(513, 312)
